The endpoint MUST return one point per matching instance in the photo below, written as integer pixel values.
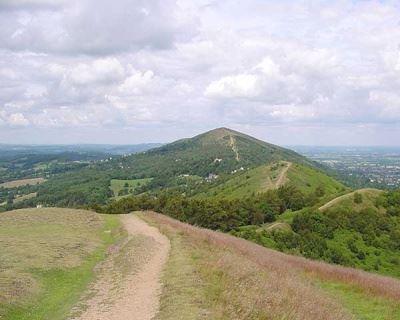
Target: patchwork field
(125, 187)
(22, 182)
(47, 258)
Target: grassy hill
(271, 176)
(224, 277)
(47, 258)
(211, 156)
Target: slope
(211, 154)
(216, 276)
(47, 258)
(272, 176)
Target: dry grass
(24, 197)
(277, 262)
(240, 283)
(22, 182)
(42, 239)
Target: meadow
(216, 276)
(22, 182)
(47, 258)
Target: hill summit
(224, 150)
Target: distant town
(359, 166)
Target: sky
(133, 71)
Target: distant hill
(190, 166)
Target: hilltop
(191, 166)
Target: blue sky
(129, 71)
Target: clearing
(22, 182)
(122, 188)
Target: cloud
(186, 66)
(95, 27)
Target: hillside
(189, 166)
(47, 258)
(272, 176)
(149, 266)
(368, 200)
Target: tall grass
(241, 283)
(290, 268)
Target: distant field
(117, 185)
(25, 197)
(47, 258)
(22, 182)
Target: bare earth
(137, 296)
(282, 176)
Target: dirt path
(234, 148)
(282, 175)
(345, 196)
(137, 295)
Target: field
(47, 258)
(22, 182)
(124, 187)
(25, 197)
(212, 275)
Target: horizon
(314, 74)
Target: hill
(367, 198)
(189, 166)
(224, 277)
(149, 266)
(272, 176)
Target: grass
(22, 182)
(20, 198)
(117, 185)
(308, 179)
(266, 177)
(211, 278)
(368, 200)
(241, 280)
(49, 256)
(248, 182)
(362, 305)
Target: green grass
(362, 305)
(54, 252)
(265, 177)
(248, 182)
(118, 185)
(308, 179)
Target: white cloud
(17, 119)
(196, 64)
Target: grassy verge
(208, 278)
(63, 269)
(362, 305)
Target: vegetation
(125, 187)
(224, 277)
(47, 259)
